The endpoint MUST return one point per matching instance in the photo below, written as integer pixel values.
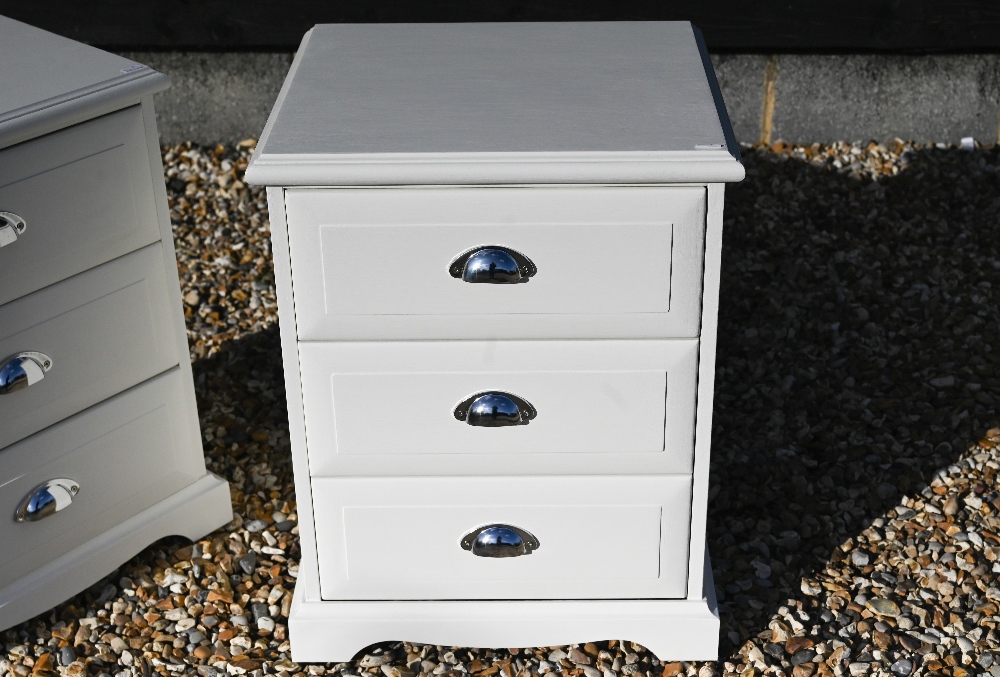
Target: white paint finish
(336, 366)
(621, 102)
(327, 631)
(500, 87)
(308, 567)
(105, 331)
(39, 66)
(372, 406)
(192, 512)
(494, 168)
(706, 383)
(126, 453)
(85, 194)
(372, 263)
(581, 412)
(600, 537)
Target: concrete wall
(797, 98)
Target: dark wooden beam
(900, 26)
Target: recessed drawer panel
(103, 330)
(124, 455)
(502, 537)
(497, 263)
(84, 196)
(494, 408)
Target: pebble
(254, 526)
(248, 562)
(902, 667)
(860, 558)
(66, 655)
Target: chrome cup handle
(47, 499)
(492, 264)
(499, 540)
(495, 409)
(25, 369)
(11, 225)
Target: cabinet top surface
(495, 88)
(40, 70)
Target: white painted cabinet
(100, 450)
(497, 256)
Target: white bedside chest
(497, 256)
(100, 449)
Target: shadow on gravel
(244, 418)
(856, 358)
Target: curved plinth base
(192, 512)
(673, 629)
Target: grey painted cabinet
(100, 449)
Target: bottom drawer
(597, 537)
(124, 454)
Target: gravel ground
(854, 518)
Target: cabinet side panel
(308, 573)
(706, 389)
(175, 308)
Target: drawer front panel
(105, 330)
(375, 263)
(621, 406)
(125, 454)
(85, 195)
(598, 537)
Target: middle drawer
(439, 408)
(104, 330)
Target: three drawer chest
(497, 251)
(100, 448)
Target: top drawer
(610, 262)
(85, 196)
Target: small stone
(254, 526)
(203, 652)
(192, 298)
(590, 671)
(797, 643)
(811, 588)
(902, 667)
(965, 644)
(883, 607)
(802, 657)
(44, 662)
(671, 669)
(266, 624)
(804, 670)
(239, 619)
(248, 562)
(860, 558)
(376, 660)
(260, 610)
(66, 655)
(858, 668)
(951, 506)
(775, 650)
(577, 657)
(556, 655)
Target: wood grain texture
(729, 25)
